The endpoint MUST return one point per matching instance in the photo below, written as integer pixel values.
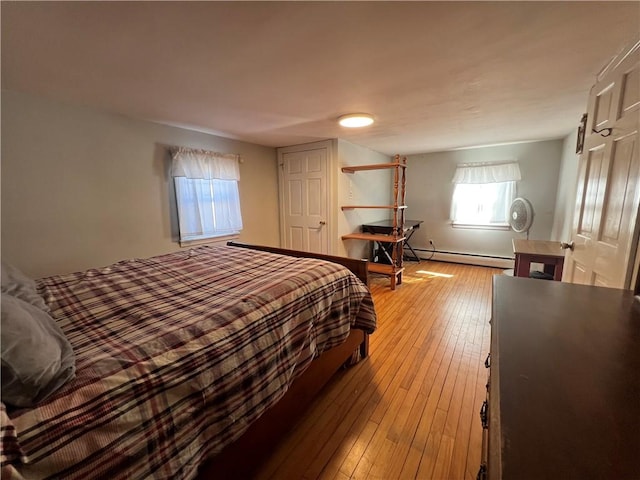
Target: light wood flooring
(410, 410)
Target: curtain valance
(474, 173)
(202, 164)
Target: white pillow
(17, 284)
(37, 358)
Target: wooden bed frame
(244, 456)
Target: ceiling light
(355, 120)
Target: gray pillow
(37, 358)
(17, 284)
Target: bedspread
(175, 356)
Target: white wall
(83, 188)
(373, 187)
(567, 184)
(429, 191)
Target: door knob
(565, 245)
(322, 222)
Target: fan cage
(520, 215)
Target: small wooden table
(538, 251)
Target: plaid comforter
(176, 355)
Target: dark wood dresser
(563, 395)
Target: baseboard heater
(466, 258)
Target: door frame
(331, 200)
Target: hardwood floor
(411, 409)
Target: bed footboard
(357, 266)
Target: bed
(185, 360)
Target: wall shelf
(388, 207)
(395, 268)
(375, 166)
(373, 237)
(384, 269)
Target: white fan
(521, 215)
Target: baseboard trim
(465, 258)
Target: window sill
(471, 226)
(208, 240)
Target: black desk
(386, 227)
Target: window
(207, 195)
(482, 204)
(483, 194)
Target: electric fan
(521, 215)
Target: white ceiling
(436, 75)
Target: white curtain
(191, 163)
(487, 173)
(483, 193)
(207, 193)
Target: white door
(608, 191)
(304, 199)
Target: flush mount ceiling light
(355, 120)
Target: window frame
(510, 191)
(208, 236)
